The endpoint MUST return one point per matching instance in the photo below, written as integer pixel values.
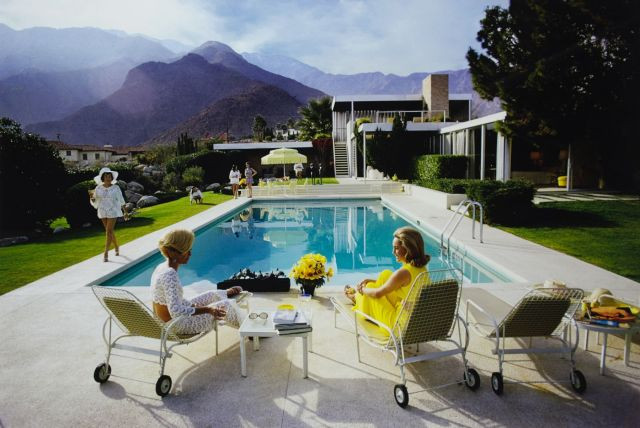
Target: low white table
(258, 328)
(606, 330)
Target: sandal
(105, 259)
(118, 251)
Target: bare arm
(398, 279)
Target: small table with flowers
(628, 332)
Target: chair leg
(216, 333)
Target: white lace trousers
(204, 322)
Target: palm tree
(259, 125)
(316, 119)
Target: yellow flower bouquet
(311, 272)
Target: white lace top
(167, 290)
(234, 176)
(108, 201)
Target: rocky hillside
(154, 97)
(235, 114)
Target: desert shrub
(508, 203)
(150, 183)
(32, 180)
(171, 182)
(433, 167)
(178, 164)
(193, 176)
(77, 208)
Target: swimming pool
(355, 236)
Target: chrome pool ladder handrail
(460, 215)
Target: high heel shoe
(118, 251)
(105, 258)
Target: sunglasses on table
(261, 315)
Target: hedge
(508, 203)
(433, 167)
(78, 211)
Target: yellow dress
(386, 308)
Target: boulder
(147, 169)
(129, 206)
(215, 187)
(132, 196)
(157, 173)
(147, 201)
(158, 192)
(59, 229)
(227, 190)
(136, 187)
(5, 242)
(87, 224)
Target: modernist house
(443, 122)
(88, 155)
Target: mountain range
(91, 86)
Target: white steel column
(569, 170)
(364, 154)
(353, 169)
(500, 157)
(483, 139)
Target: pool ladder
(447, 231)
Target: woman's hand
(234, 291)
(218, 313)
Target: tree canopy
(32, 179)
(316, 119)
(259, 126)
(566, 72)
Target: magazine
(289, 317)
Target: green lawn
(24, 263)
(604, 233)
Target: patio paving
(52, 343)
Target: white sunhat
(98, 178)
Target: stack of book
(289, 321)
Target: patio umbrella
(283, 156)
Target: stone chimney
(435, 91)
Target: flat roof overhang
(411, 127)
(264, 146)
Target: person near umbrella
(298, 168)
(249, 173)
(234, 179)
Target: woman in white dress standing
(107, 199)
(234, 179)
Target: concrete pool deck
(51, 344)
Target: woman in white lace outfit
(168, 300)
(107, 199)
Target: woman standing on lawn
(107, 199)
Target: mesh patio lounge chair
(541, 313)
(134, 318)
(429, 314)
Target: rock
(147, 169)
(132, 196)
(87, 224)
(129, 206)
(136, 187)
(156, 173)
(158, 192)
(227, 190)
(5, 242)
(147, 201)
(59, 229)
(140, 167)
(215, 187)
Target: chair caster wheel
(101, 373)
(578, 381)
(401, 395)
(163, 385)
(497, 383)
(472, 379)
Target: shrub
(432, 167)
(507, 203)
(77, 208)
(193, 176)
(178, 164)
(171, 182)
(171, 196)
(447, 185)
(32, 180)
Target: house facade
(84, 155)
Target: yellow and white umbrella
(283, 156)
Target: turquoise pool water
(354, 236)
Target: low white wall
(434, 197)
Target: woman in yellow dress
(381, 299)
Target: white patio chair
(134, 318)
(429, 314)
(541, 313)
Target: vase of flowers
(311, 272)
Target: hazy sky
(338, 36)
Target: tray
(276, 285)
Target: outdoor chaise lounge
(134, 318)
(429, 314)
(541, 313)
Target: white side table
(258, 328)
(606, 330)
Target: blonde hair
(411, 240)
(178, 240)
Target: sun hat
(98, 178)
